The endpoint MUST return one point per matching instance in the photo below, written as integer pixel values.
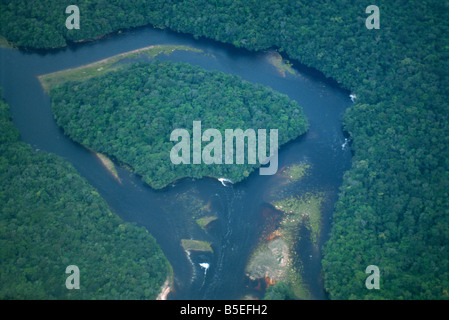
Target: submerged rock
(270, 262)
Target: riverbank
(5, 44)
(61, 219)
(282, 66)
(84, 72)
(404, 68)
(108, 164)
(165, 289)
(164, 96)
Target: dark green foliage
(393, 207)
(8, 133)
(51, 218)
(130, 114)
(279, 291)
(41, 24)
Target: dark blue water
(241, 208)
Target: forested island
(51, 218)
(392, 210)
(129, 113)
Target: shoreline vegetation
(92, 105)
(84, 72)
(398, 73)
(275, 259)
(60, 220)
(5, 44)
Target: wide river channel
(243, 209)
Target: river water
(243, 209)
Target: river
(241, 208)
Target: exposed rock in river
(270, 262)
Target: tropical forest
(131, 72)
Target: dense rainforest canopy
(393, 208)
(130, 114)
(51, 218)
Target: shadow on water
(241, 209)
